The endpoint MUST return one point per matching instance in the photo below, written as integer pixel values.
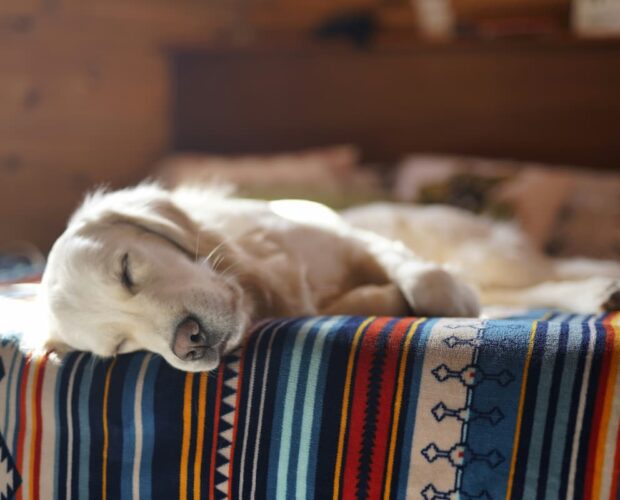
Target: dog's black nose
(190, 341)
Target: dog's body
(497, 258)
(184, 273)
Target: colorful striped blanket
(329, 407)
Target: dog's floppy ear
(161, 217)
(148, 207)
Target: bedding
(330, 175)
(325, 407)
(555, 205)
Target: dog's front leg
(369, 300)
(429, 289)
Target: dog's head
(134, 272)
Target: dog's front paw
(594, 295)
(612, 297)
(588, 296)
(436, 292)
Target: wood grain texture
(86, 94)
(69, 124)
(551, 102)
(84, 101)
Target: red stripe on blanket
(616, 471)
(359, 393)
(36, 469)
(236, 424)
(603, 380)
(386, 407)
(216, 429)
(614, 490)
(23, 383)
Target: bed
(324, 407)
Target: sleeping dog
(185, 273)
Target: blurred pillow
(565, 211)
(329, 175)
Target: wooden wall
(555, 101)
(84, 94)
(84, 91)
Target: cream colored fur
(227, 262)
(496, 258)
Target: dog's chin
(209, 362)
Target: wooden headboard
(552, 101)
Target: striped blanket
(329, 407)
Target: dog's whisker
(216, 264)
(218, 246)
(215, 249)
(214, 261)
(208, 261)
(229, 268)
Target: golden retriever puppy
(185, 273)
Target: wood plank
(494, 8)
(79, 108)
(556, 103)
(82, 97)
(161, 22)
(19, 7)
(42, 183)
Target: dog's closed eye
(126, 276)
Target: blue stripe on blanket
(519, 408)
